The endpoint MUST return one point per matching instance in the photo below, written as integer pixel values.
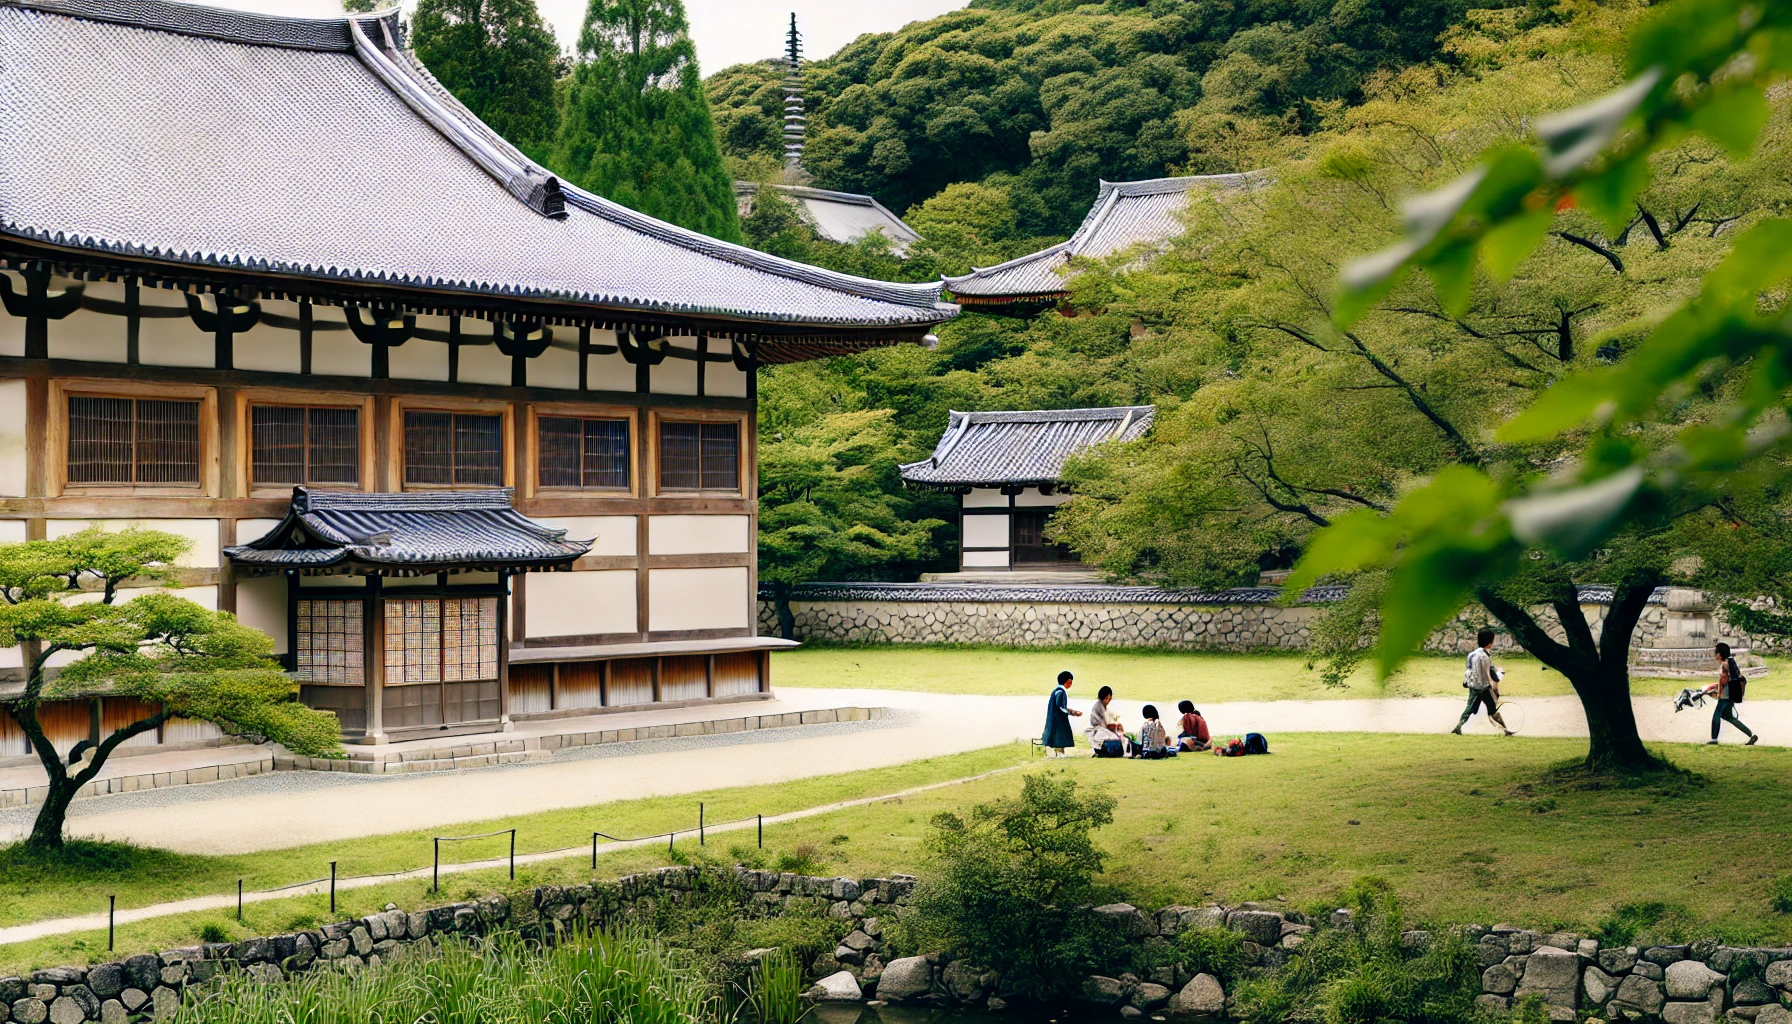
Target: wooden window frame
(584, 411)
(743, 463)
(249, 397)
(57, 441)
(488, 407)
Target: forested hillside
(1043, 97)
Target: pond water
(1020, 1013)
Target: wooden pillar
(504, 653)
(656, 679)
(709, 676)
(554, 687)
(374, 613)
(603, 684)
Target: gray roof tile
(414, 533)
(1125, 214)
(320, 150)
(1021, 449)
(842, 217)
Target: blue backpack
(1254, 743)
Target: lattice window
(329, 642)
(1030, 544)
(700, 456)
(587, 454)
(149, 441)
(435, 640)
(299, 445)
(453, 449)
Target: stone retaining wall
(1244, 619)
(1571, 975)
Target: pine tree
(636, 127)
(497, 57)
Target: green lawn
(1169, 676)
(1466, 829)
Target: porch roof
(411, 534)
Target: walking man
(1728, 690)
(1483, 683)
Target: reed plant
(626, 978)
(775, 990)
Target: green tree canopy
(830, 506)
(636, 127)
(499, 58)
(62, 596)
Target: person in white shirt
(1483, 682)
(1104, 724)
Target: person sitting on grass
(1153, 740)
(1194, 735)
(1104, 724)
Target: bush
(1014, 885)
(1215, 951)
(1781, 896)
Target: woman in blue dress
(1058, 713)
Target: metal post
(513, 855)
(594, 851)
(761, 831)
(111, 909)
(670, 838)
(332, 887)
(435, 871)
(699, 823)
(239, 901)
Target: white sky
(726, 31)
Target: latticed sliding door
(330, 659)
(441, 661)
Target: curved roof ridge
(1009, 264)
(1105, 412)
(223, 23)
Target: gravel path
(290, 809)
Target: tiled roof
(322, 150)
(1023, 449)
(836, 216)
(410, 534)
(1125, 214)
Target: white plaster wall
(675, 376)
(12, 328)
(12, 531)
(13, 437)
(172, 341)
(202, 532)
(421, 358)
(985, 497)
(254, 529)
(608, 371)
(581, 603)
(338, 353)
(615, 535)
(1031, 498)
(985, 531)
(986, 559)
(482, 363)
(724, 380)
(11, 657)
(558, 366)
(698, 598)
(85, 334)
(261, 604)
(266, 347)
(697, 535)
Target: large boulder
(1774, 1015)
(907, 977)
(1598, 986)
(1752, 992)
(840, 987)
(1201, 999)
(962, 981)
(1553, 974)
(1689, 979)
(1499, 979)
(1618, 961)
(1129, 920)
(1705, 1011)
(1264, 927)
(1150, 996)
(1099, 988)
(1779, 975)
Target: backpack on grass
(1255, 743)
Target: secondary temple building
(1008, 468)
(469, 443)
(1126, 216)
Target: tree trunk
(46, 831)
(1613, 742)
(781, 604)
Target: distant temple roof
(318, 156)
(836, 216)
(1125, 214)
(1021, 449)
(411, 534)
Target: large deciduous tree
(831, 508)
(636, 126)
(185, 661)
(499, 58)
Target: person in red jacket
(1194, 734)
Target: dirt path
(232, 818)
